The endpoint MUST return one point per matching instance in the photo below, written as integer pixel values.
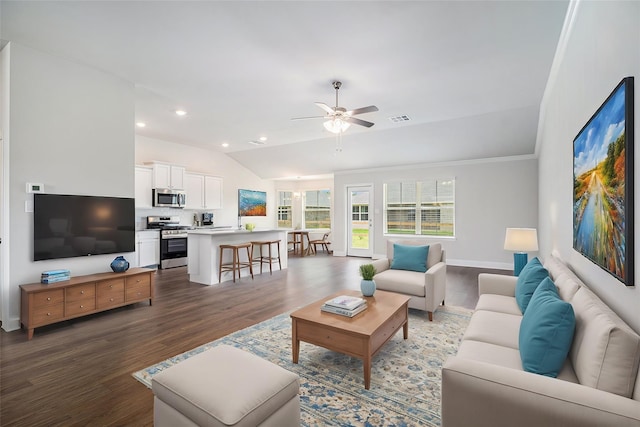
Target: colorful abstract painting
(602, 185)
(252, 203)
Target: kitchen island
(203, 249)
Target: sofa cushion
(494, 328)
(546, 331)
(605, 351)
(530, 277)
(564, 279)
(401, 281)
(410, 257)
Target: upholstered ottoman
(225, 386)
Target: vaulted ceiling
(469, 75)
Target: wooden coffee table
(361, 336)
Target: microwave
(169, 198)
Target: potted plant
(367, 285)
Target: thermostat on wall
(35, 188)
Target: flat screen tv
(66, 226)
(252, 203)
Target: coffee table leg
(367, 371)
(405, 330)
(295, 342)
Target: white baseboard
(11, 325)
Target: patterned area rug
(405, 375)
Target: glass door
(360, 221)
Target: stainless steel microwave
(169, 198)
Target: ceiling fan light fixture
(336, 125)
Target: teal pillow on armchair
(530, 277)
(409, 257)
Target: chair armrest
(498, 284)
(381, 265)
(482, 394)
(435, 285)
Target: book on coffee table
(343, 311)
(346, 302)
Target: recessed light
(263, 138)
(225, 144)
(141, 124)
(181, 112)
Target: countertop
(219, 231)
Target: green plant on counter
(367, 271)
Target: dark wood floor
(78, 373)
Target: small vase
(119, 264)
(368, 287)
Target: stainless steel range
(173, 240)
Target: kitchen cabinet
(203, 191)
(147, 248)
(166, 175)
(144, 185)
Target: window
(317, 209)
(360, 213)
(420, 207)
(285, 219)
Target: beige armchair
(427, 290)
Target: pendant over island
(203, 249)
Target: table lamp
(520, 240)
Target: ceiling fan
(339, 119)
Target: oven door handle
(174, 236)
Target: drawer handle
(81, 306)
(138, 280)
(48, 314)
(111, 299)
(81, 292)
(48, 298)
(111, 286)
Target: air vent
(256, 142)
(398, 119)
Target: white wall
(602, 47)
(490, 196)
(72, 129)
(234, 175)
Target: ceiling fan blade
(369, 109)
(358, 122)
(309, 117)
(325, 107)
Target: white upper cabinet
(166, 175)
(212, 192)
(203, 191)
(144, 185)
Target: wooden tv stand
(82, 295)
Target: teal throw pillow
(409, 257)
(546, 331)
(530, 277)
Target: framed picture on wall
(603, 185)
(252, 203)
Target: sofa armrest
(481, 394)
(498, 284)
(381, 265)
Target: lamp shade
(521, 240)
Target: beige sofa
(599, 384)
(427, 290)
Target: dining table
(298, 237)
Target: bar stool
(235, 264)
(266, 259)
